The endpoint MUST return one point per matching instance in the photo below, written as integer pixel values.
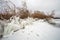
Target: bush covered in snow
(15, 23)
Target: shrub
(39, 15)
(23, 13)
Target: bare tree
(24, 4)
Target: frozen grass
(15, 23)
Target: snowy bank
(39, 30)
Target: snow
(38, 30)
(14, 24)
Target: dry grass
(25, 14)
(6, 16)
(37, 14)
(41, 15)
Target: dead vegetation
(24, 13)
(6, 16)
(41, 15)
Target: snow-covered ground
(38, 30)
